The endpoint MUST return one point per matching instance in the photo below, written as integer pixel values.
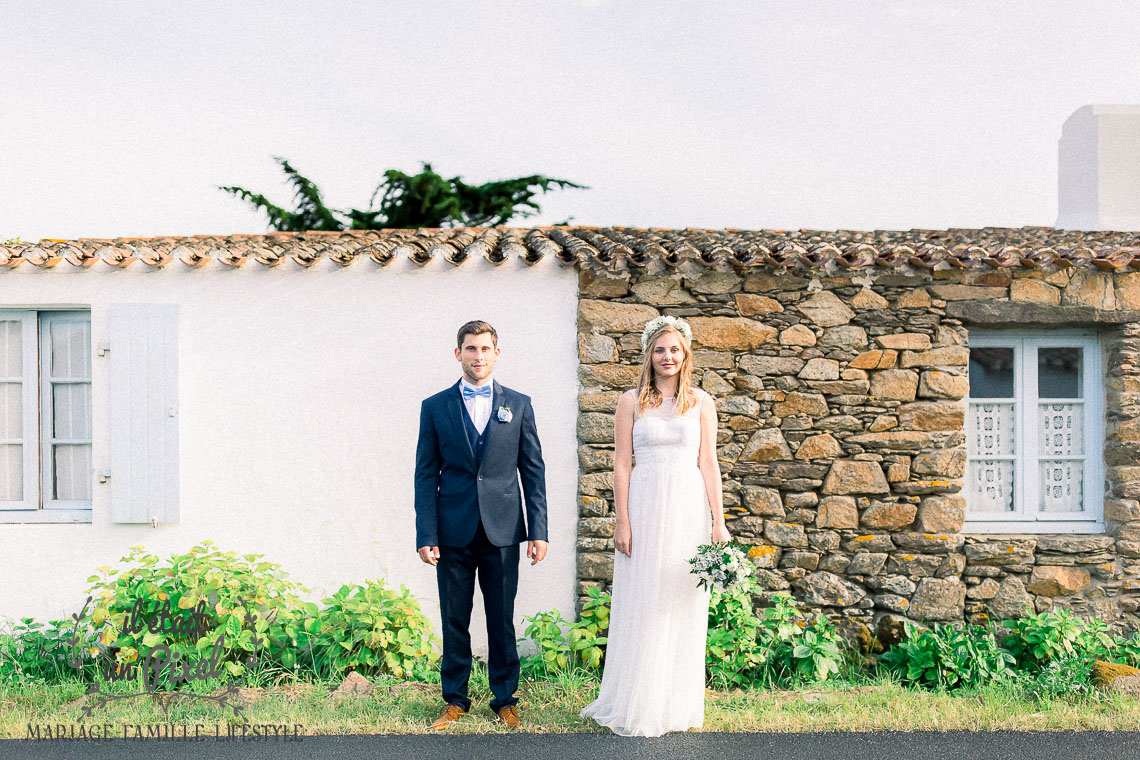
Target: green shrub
(548, 632)
(240, 612)
(1068, 676)
(947, 657)
(745, 649)
(562, 645)
(208, 613)
(203, 605)
(1127, 650)
(816, 652)
(1039, 639)
(32, 652)
(798, 650)
(587, 637)
(734, 652)
(742, 648)
(370, 629)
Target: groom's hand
(536, 551)
(429, 554)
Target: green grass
(552, 706)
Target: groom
(476, 439)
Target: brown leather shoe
(449, 714)
(510, 716)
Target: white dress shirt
(478, 408)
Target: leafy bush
(815, 652)
(587, 638)
(946, 657)
(213, 613)
(799, 650)
(734, 650)
(33, 652)
(209, 606)
(562, 645)
(779, 647)
(1039, 639)
(202, 605)
(547, 631)
(1068, 676)
(1127, 650)
(742, 648)
(370, 629)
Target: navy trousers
(498, 571)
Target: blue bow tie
(484, 390)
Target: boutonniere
(504, 414)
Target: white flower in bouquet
(720, 567)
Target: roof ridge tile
(688, 250)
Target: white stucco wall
(299, 408)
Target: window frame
(1026, 516)
(30, 401)
(47, 409)
(35, 507)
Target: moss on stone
(1104, 673)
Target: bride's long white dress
(654, 677)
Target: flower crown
(657, 323)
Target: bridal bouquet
(720, 567)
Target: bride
(654, 677)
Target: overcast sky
(120, 119)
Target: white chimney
(1098, 172)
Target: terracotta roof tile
(615, 248)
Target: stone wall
(841, 437)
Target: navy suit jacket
(452, 493)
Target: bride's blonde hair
(647, 393)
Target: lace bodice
(660, 434)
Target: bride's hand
(623, 539)
(720, 534)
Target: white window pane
(12, 411)
(1059, 373)
(11, 472)
(72, 468)
(1060, 429)
(991, 486)
(71, 410)
(991, 372)
(11, 350)
(991, 429)
(70, 349)
(1061, 486)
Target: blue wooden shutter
(144, 407)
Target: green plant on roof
(409, 201)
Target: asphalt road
(881, 745)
